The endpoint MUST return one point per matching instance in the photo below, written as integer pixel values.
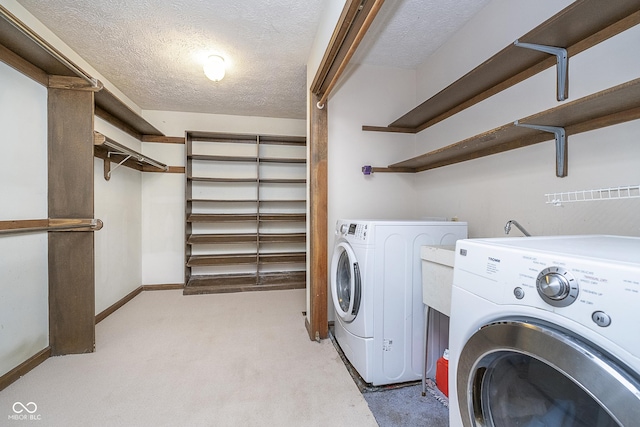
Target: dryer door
(345, 282)
(529, 373)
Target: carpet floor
(164, 359)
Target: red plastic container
(442, 373)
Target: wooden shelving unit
(578, 27)
(606, 108)
(245, 213)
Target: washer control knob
(518, 292)
(344, 228)
(557, 286)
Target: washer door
(528, 373)
(345, 282)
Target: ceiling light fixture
(214, 68)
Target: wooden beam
(318, 327)
(22, 65)
(71, 195)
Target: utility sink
(437, 276)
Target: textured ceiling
(153, 50)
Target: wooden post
(317, 325)
(71, 254)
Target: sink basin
(437, 276)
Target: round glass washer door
(530, 374)
(345, 282)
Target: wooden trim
(113, 307)
(323, 75)
(163, 287)
(22, 369)
(23, 66)
(369, 16)
(318, 253)
(163, 139)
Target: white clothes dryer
(376, 287)
(544, 332)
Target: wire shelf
(612, 193)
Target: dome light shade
(214, 68)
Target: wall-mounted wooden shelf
(579, 26)
(606, 108)
(111, 151)
(30, 54)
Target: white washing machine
(376, 286)
(544, 332)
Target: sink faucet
(507, 227)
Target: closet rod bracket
(561, 145)
(562, 65)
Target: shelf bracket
(562, 65)
(561, 145)
(107, 164)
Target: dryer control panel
(352, 230)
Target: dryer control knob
(557, 286)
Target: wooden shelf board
(282, 257)
(222, 259)
(283, 217)
(581, 25)
(282, 160)
(213, 158)
(198, 285)
(606, 108)
(283, 140)
(283, 181)
(230, 180)
(222, 218)
(195, 239)
(108, 106)
(103, 145)
(283, 238)
(223, 200)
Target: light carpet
(238, 359)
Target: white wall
(369, 96)
(24, 306)
(118, 246)
(489, 191)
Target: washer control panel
(593, 281)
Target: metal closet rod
(119, 149)
(17, 24)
